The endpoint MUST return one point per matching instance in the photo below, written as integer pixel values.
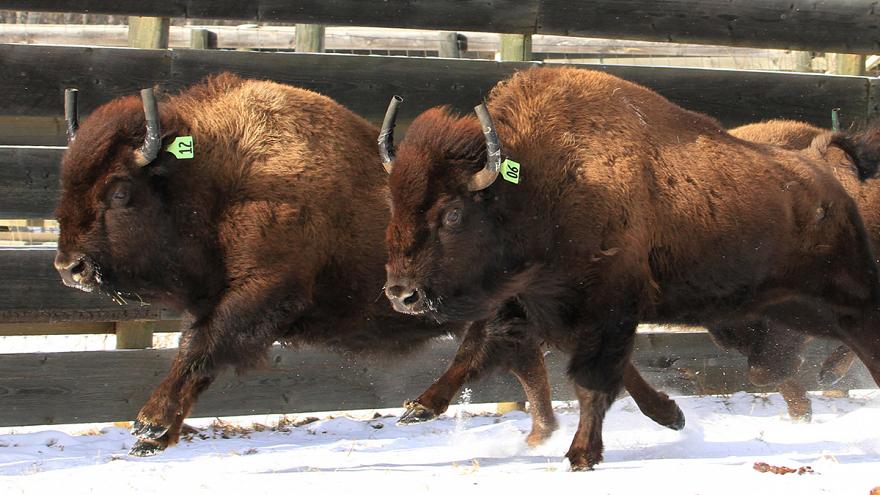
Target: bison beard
(635, 210)
(251, 240)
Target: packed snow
(468, 449)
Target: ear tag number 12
(510, 171)
(181, 147)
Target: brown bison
(620, 207)
(268, 225)
(852, 157)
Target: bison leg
(467, 364)
(597, 368)
(652, 402)
(836, 366)
(529, 369)
(505, 342)
(864, 341)
(795, 394)
(159, 421)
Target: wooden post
(202, 39)
(516, 47)
(134, 334)
(309, 38)
(846, 63)
(803, 61)
(148, 32)
(452, 44)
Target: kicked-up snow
(468, 450)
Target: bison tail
(863, 147)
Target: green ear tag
(181, 147)
(510, 171)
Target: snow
(469, 450)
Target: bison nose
(74, 268)
(404, 296)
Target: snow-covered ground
(468, 450)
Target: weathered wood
(77, 328)
(202, 39)
(360, 38)
(112, 385)
(29, 181)
(515, 47)
(134, 334)
(148, 32)
(309, 38)
(845, 26)
(846, 64)
(735, 97)
(31, 291)
(450, 44)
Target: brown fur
(274, 231)
(630, 209)
(852, 157)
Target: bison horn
(153, 140)
(71, 114)
(485, 177)
(386, 135)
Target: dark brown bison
(271, 229)
(853, 158)
(627, 209)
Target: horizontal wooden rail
(363, 39)
(849, 26)
(73, 387)
(31, 291)
(363, 83)
(76, 328)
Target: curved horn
(386, 135)
(71, 113)
(485, 177)
(153, 140)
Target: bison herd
(572, 207)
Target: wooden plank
(845, 26)
(112, 385)
(99, 74)
(31, 291)
(29, 181)
(202, 39)
(735, 97)
(78, 328)
(359, 38)
(134, 334)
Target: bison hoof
(146, 430)
(146, 448)
(415, 413)
(581, 462)
(678, 423)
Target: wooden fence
(847, 26)
(109, 385)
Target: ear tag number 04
(510, 170)
(181, 147)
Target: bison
(619, 207)
(853, 157)
(266, 225)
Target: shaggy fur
(274, 231)
(853, 157)
(630, 209)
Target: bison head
(446, 256)
(118, 232)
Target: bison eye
(119, 195)
(452, 217)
